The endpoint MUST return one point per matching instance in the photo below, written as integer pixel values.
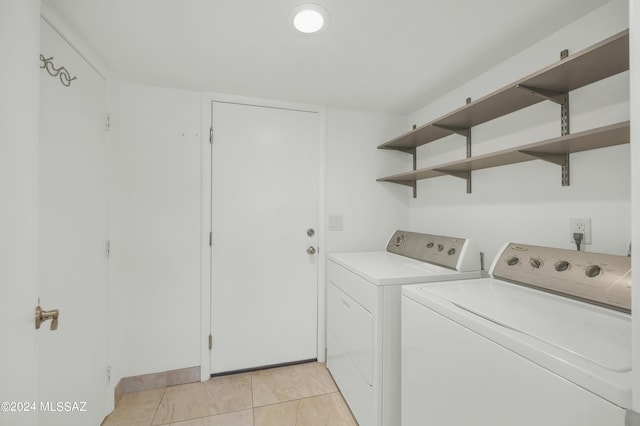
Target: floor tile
(289, 383)
(135, 408)
(237, 418)
(183, 402)
(299, 395)
(323, 410)
(229, 393)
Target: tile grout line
(253, 408)
(158, 407)
(299, 399)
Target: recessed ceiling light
(308, 18)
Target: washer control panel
(436, 249)
(601, 279)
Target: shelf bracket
(561, 160)
(411, 184)
(402, 182)
(413, 152)
(557, 97)
(459, 174)
(469, 156)
(463, 131)
(405, 150)
(564, 127)
(414, 184)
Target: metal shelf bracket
(559, 159)
(550, 95)
(564, 125)
(561, 98)
(463, 131)
(459, 174)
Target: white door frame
(205, 262)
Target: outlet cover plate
(580, 224)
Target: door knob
(311, 250)
(42, 316)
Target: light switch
(335, 223)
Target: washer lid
(384, 268)
(586, 344)
(598, 335)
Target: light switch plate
(335, 223)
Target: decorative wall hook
(65, 77)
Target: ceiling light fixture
(308, 18)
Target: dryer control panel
(601, 279)
(450, 252)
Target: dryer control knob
(429, 245)
(513, 260)
(451, 252)
(535, 262)
(440, 247)
(561, 265)
(592, 271)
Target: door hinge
(108, 122)
(210, 341)
(211, 134)
(210, 239)
(108, 248)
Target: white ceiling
(377, 55)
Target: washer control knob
(451, 251)
(399, 240)
(592, 271)
(535, 262)
(561, 265)
(440, 247)
(513, 260)
(430, 244)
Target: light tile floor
(299, 395)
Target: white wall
(159, 218)
(371, 210)
(19, 114)
(156, 238)
(526, 202)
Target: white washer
(363, 315)
(545, 341)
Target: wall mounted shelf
(553, 83)
(552, 150)
(602, 60)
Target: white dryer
(363, 315)
(545, 341)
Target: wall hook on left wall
(62, 72)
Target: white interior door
(264, 200)
(73, 234)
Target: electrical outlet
(582, 225)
